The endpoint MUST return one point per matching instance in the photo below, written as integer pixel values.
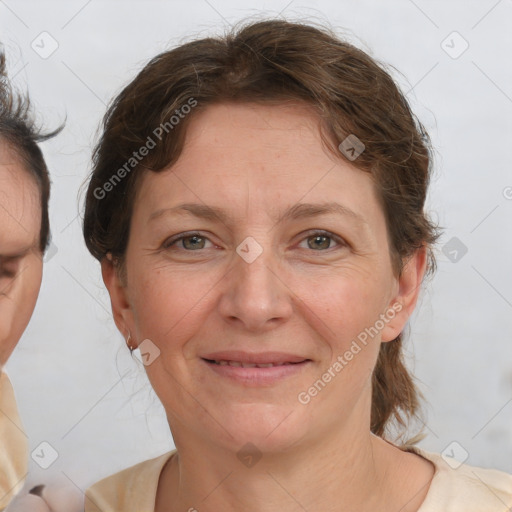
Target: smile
(247, 365)
(264, 372)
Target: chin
(270, 428)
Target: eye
(321, 240)
(8, 271)
(189, 242)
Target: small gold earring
(128, 342)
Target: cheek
(7, 339)
(166, 303)
(345, 304)
(342, 311)
(17, 307)
(26, 297)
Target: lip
(256, 377)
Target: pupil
(319, 238)
(193, 240)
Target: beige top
(465, 489)
(13, 445)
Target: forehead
(248, 132)
(257, 158)
(20, 209)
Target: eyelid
(10, 265)
(8, 271)
(15, 256)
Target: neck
(341, 473)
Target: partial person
(24, 239)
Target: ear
(403, 303)
(121, 307)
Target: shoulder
(464, 488)
(13, 444)
(133, 489)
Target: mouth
(242, 364)
(255, 369)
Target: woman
(256, 204)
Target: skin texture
(21, 263)
(302, 295)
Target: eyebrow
(297, 211)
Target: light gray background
(77, 387)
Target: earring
(128, 342)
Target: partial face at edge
(20, 256)
(319, 281)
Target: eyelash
(170, 242)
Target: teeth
(248, 365)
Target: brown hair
(273, 62)
(18, 131)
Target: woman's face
(20, 257)
(291, 268)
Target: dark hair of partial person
(20, 134)
(274, 62)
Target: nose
(255, 295)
